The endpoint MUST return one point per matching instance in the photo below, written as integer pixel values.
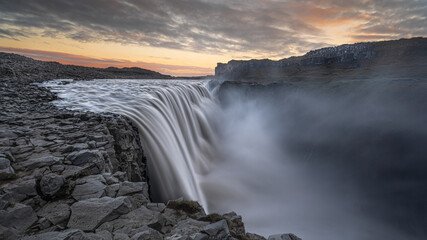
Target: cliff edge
(404, 58)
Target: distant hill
(404, 58)
(20, 67)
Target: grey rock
(97, 177)
(51, 184)
(254, 236)
(89, 214)
(188, 227)
(8, 233)
(96, 236)
(140, 199)
(173, 216)
(80, 146)
(69, 234)
(158, 207)
(4, 204)
(90, 187)
(55, 212)
(73, 171)
(42, 224)
(121, 236)
(38, 162)
(149, 234)
(105, 234)
(85, 156)
(22, 190)
(200, 236)
(162, 224)
(110, 178)
(236, 224)
(134, 219)
(288, 236)
(120, 175)
(57, 168)
(218, 230)
(111, 190)
(128, 188)
(20, 217)
(6, 171)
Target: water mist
(324, 161)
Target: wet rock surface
(76, 175)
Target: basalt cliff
(404, 58)
(79, 175)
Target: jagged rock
(4, 204)
(121, 236)
(134, 219)
(89, 214)
(57, 168)
(64, 235)
(22, 190)
(51, 184)
(191, 208)
(38, 162)
(86, 156)
(20, 217)
(6, 171)
(110, 179)
(106, 235)
(253, 236)
(163, 224)
(173, 216)
(8, 233)
(127, 188)
(158, 207)
(56, 212)
(111, 190)
(120, 175)
(288, 236)
(236, 226)
(188, 227)
(42, 224)
(140, 199)
(89, 187)
(74, 171)
(218, 230)
(149, 234)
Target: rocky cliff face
(330, 63)
(78, 175)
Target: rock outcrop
(78, 175)
(358, 60)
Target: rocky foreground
(77, 175)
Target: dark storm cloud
(273, 27)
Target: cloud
(263, 27)
(66, 58)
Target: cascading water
(173, 121)
(324, 161)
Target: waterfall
(321, 161)
(173, 121)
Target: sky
(189, 37)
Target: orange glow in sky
(188, 38)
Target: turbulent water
(324, 164)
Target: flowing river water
(296, 161)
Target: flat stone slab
(89, 214)
(20, 217)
